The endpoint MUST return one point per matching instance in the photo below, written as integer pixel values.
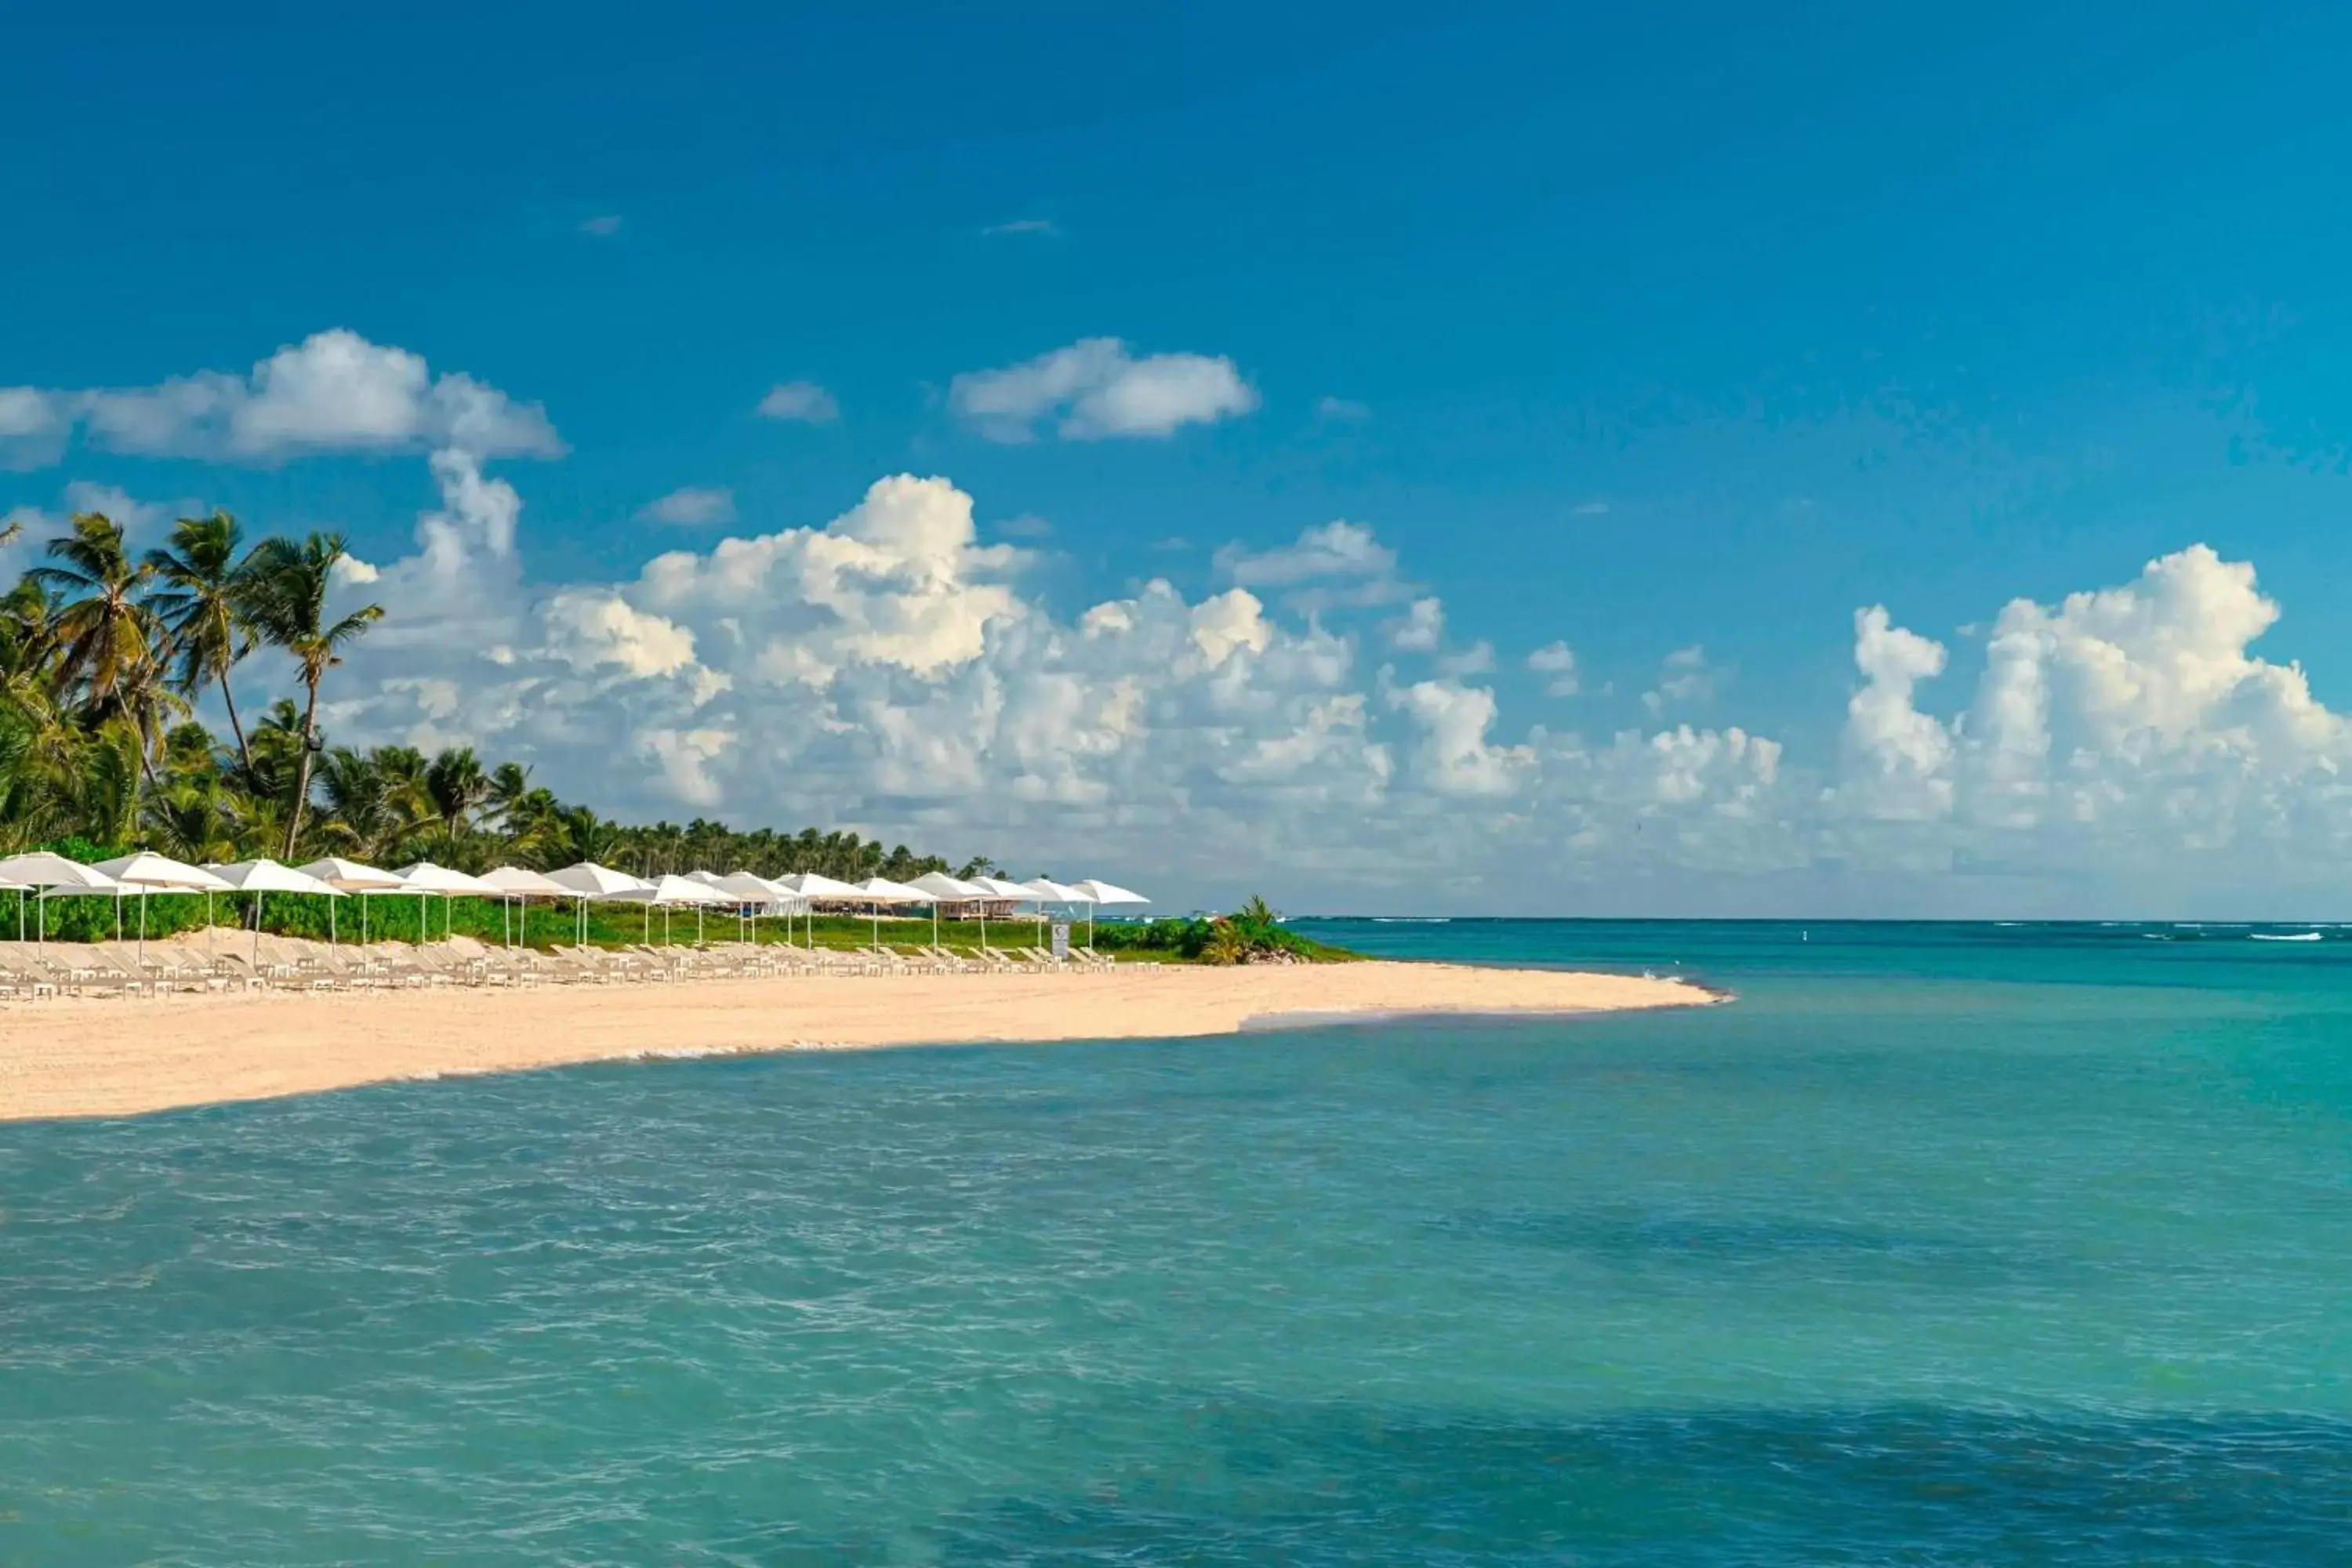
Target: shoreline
(80, 1057)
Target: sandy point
(114, 1058)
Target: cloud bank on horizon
(1316, 724)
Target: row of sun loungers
(237, 962)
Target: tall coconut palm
(510, 787)
(457, 786)
(106, 637)
(285, 599)
(200, 607)
(195, 820)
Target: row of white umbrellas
(335, 877)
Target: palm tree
(510, 788)
(195, 820)
(286, 601)
(106, 636)
(200, 608)
(457, 786)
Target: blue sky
(1675, 338)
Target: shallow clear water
(1944, 1245)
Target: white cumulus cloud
(1557, 660)
(1095, 389)
(333, 391)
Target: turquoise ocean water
(1944, 1245)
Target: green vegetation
(1251, 934)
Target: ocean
(1943, 1245)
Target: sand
(72, 1057)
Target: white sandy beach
(76, 1056)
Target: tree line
(105, 654)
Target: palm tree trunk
(302, 772)
(244, 751)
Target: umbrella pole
(331, 922)
(142, 926)
(20, 914)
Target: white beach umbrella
(950, 889)
(424, 877)
(351, 876)
(774, 897)
(595, 881)
(1048, 891)
(144, 869)
(118, 892)
(880, 890)
(1101, 892)
(523, 884)
(999, 888)
(676, 891)
(812, 885)
(667, 893)
(587, 880)
(434, 878)
(744, 888)
(44, 868)
(266, 876)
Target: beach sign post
(1060, 942)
